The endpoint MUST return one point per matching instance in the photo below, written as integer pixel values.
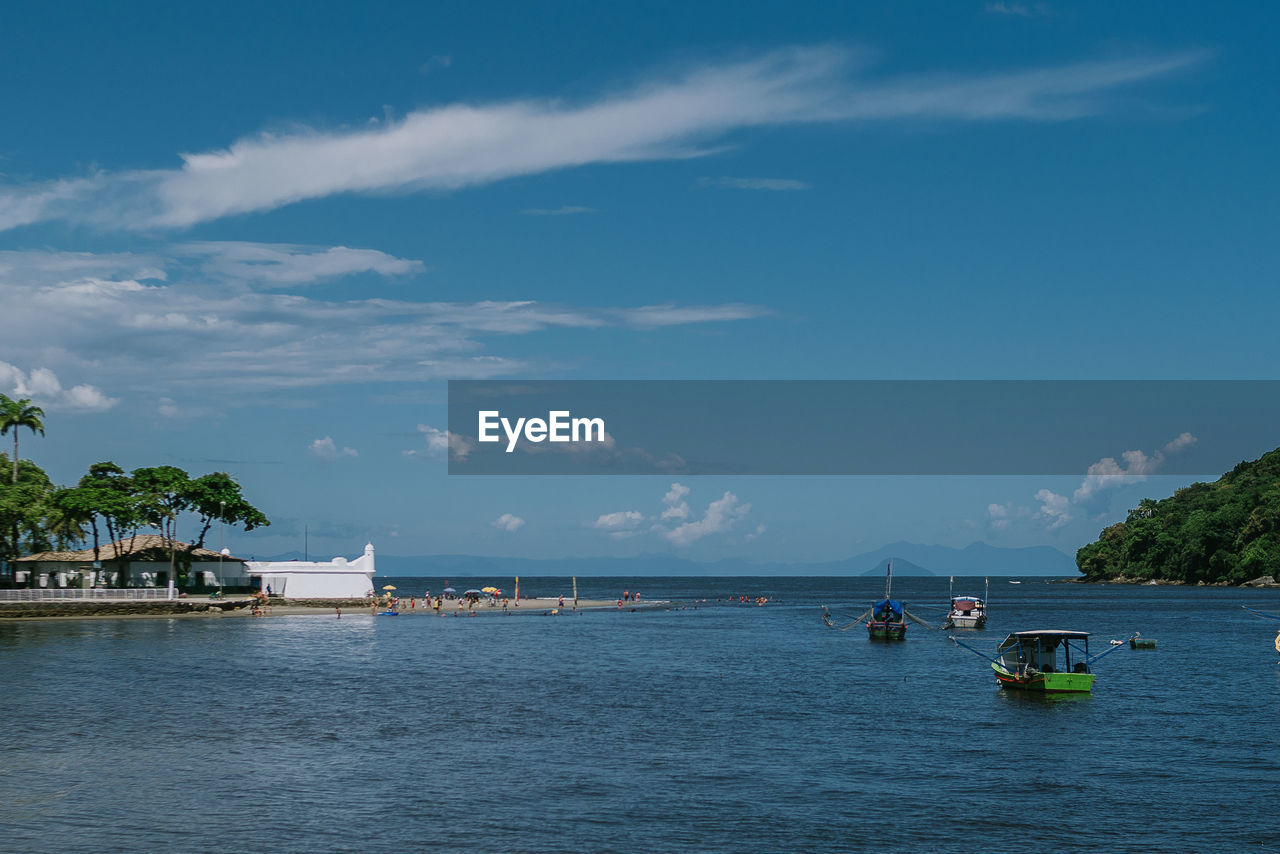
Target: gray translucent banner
(859, 427)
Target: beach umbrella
(470, 592)
(488, 589)
(389, 587)
(450, 590)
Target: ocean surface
(712, 726)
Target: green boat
(1046, 661)
(1030, 661)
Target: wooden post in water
(575, 593)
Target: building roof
(1051, 633)
(141, 547)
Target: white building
(308, 579)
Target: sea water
(702, 724)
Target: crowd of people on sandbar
(464, 606)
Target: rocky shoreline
(1262, 581)
(65, 609)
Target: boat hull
(1044, 683)
(964, 622)
(886, 631)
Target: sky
(261, 239)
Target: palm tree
(15, 414)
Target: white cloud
(507, 522)
(1055, 509)
(451, 147)
(720, 517)
(441, 444)
(1108, 474)
(1180, 443)
(325, 449)
(46, 266)
(42, 386)
(624, 520)
(677, 507)
(775, 184)
(760, 529)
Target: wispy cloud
(565, 210)
(1018, 10)
(283, 264)
(665, 117)
(775, 184)
(435, 62)
(207, 316)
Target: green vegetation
(38, 516)
(1227, 532)
(15, 414)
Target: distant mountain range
(908, 559)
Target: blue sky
(261, 240)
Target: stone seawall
(109, 609)
(158, 607)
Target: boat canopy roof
(892, 605)
(1050, 633)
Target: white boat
(967, 612)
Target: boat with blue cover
(886, 619)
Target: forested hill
(1227, 532)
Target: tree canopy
(37, 516)
(15, 414)
(1227, 532)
